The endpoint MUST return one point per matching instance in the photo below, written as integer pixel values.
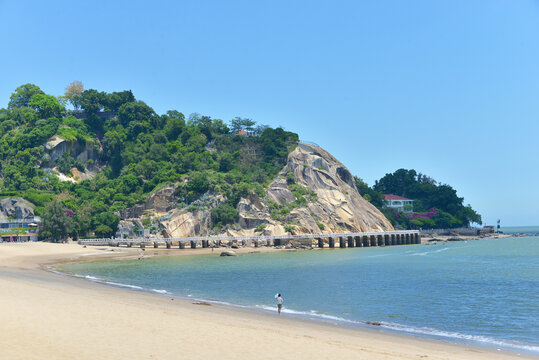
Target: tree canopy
(435, 205)
(134, 151)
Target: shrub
(288, 228)
(224, 214)
(290, 178)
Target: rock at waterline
(228, 253)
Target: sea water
(483, 292)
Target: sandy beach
(44, 315)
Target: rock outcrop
(337, 207)
(16, 208)
(314, 193)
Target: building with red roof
(399, 203)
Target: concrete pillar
(373, 240)
(342, 243)
(168, 244)
(142, 245)
(129, 244)
(386, 240)
(407, 239)
(256, 243)
(366, 242)
(182, 244)
(320, 242)
(358, 241)
(155, 245)
(351, 242)
(417, 238)
(193, 244)
(392, 240)
(331, 242)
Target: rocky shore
(435, 238)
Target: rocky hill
(314, 193)
(113, 166)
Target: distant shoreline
(447, 238)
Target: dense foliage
(136, 151)
(435, 205)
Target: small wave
(311, 313)
(413, 330)
(460, 336)
(425, 253)
(123, 285)
(160, 291)
(89, 277)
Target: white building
(399, 203)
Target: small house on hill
(247, 133)
(399, 203)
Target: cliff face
(336, 207)
(320, 197)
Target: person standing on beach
(279, 303)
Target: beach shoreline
(58, 316)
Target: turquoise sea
(484, 292)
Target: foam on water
(459, 336)
(425, 253)
(124, 285)
(160, 291)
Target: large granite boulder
(338, 206)
(16, 208)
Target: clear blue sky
(449, 88)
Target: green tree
(92, 102)
(115, 100)
(174, 124)
(224, 214)
(428, 194)
(47, 106)
(135, 112)
(103, 231)
(238, 124)
(57, 222)
(374, 197)
(65, 163)
(22, 95)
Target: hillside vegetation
(130, 151)
(82, 167)
(435, 205)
